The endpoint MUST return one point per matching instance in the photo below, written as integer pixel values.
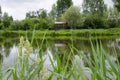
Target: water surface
(9, 47)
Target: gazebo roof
(60, 22)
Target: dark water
(9, 47)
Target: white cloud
(18, 8)
(109, 3)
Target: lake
(9, 47)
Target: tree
(94, 21)
(62, 6)
(16, 25)
(43, 13)
(73, 17)
(37, 14)
(1, 25)
(53, 12)
(0, 13)
(113, 18)
(117, 4)
(94, 6)
(6, 19)
(31, 14)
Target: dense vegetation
(89, 16)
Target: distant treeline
(93, 14)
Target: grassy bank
(64, 33)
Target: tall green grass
(73, 65)
(101, 64)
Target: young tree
(94, 6)
(53, 12)
(62, 6)
(31, 14)
(37, 14)
(6, 20)
(43, 13)
(113, 18)
(73, 17)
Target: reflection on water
(9, 60)
(51, 47)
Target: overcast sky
(18, 8)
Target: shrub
(95, 22)
(73, 17)
(1, 25)
(16, 25)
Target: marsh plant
(98, 66)
(26, 67)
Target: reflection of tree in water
(64, 52)
(1, 56)
(40, 43)
(114, 47)
(7, 47)
(7, 44)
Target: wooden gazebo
(60, 25)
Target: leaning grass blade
(102, 61)
(85, 58)
(95, 55)
(35, 72)
(33, 36)
(52, 63)
(1, 74)
(58, 65)
(40, 48)
(113, 66)
(14, 75)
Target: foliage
(43, 24)
(0, 13)
(117, 4)
(73, 17)
(1, 26)
(34, 23)
(95, 22)
(62, 6)
(113, 18)
(53, 12)
(6, 19)
(41, 13)
(16, 25)
(94, 6)
(26, 24)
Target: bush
(95, 22)
(16, 25)
(113, 23)
(73, 17)
(35, 23)
(1, 25)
